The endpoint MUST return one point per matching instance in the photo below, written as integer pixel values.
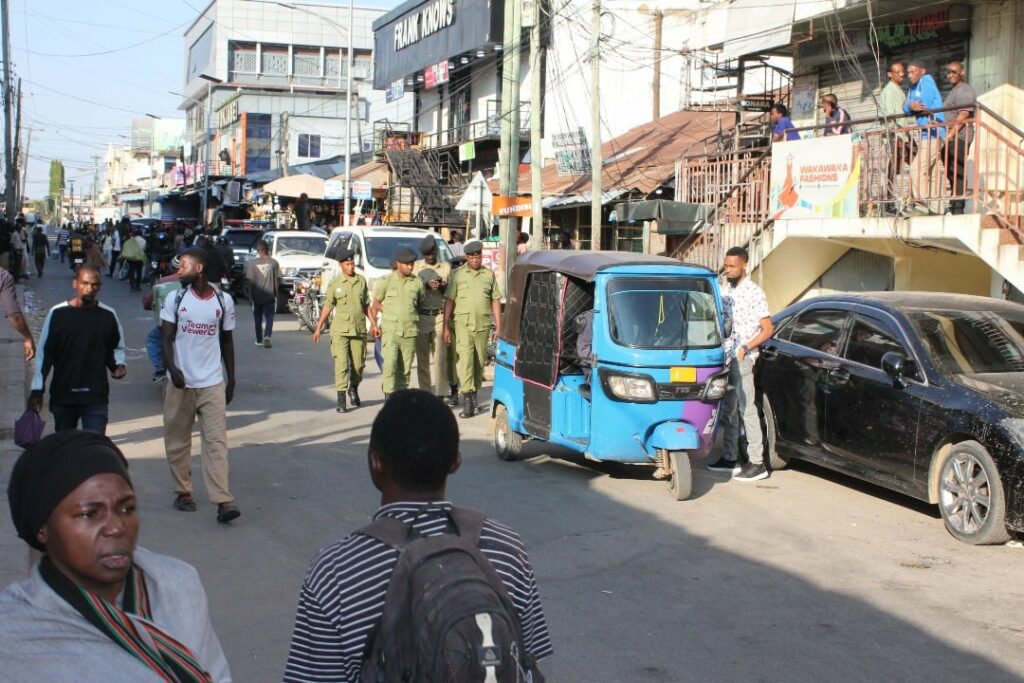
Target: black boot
(453, 397)
(353, 394)
(342, 408)
(468, 406)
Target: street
(805, 576)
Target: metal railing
(489, 127)
(907, 169)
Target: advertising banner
(512, 206)
(815, 178)
(334, 189)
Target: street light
(208, 135)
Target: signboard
(395, 90)
(334, 189)
(467, 151)
(491, 256)
(938, 24)
(476, 197)
(435, 75)
(362, 190)
(572, 153)
(815, 178)
(504, 207)
(227, 114)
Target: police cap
(428, 245)
(473, 248)
(405, 255)
(345, 254)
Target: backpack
(181, 295)
(447, 616)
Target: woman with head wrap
(96, 607)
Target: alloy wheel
(966, 493)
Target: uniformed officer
(349, 296)
(398, 297)
(472, 301)
(431, 351)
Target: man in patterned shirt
(414, 447)
(747, 307)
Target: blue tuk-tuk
(648, 389)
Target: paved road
(803, 577)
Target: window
(309, 146)
(869, 342)
(819, 330)
(244, 59)
(274, 62)
(306, 64)
(969, 342)
(335, 67)
(663, 312)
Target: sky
(88, 67)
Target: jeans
(739, 412)
(264, 313)
(135, 274)
(155, 350)
(92, 415)
(113, 262)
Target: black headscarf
(49, 471)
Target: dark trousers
(135, 274)
(63, 249)
(40, 262)
(263, 318)
(955, 159)
(14, 257)
(92, 415)
(113, 262)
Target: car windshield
(301, 245)
(972, 342)
(242, 239)
(663, 312)
(381, 250)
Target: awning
(137, 197)
(674, 218)
(580, 199)
(295, 185)
(376, 172)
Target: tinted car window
(970, 342)
(242, 239)
(818, 330)
(663, 312)
(869, 342)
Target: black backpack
(447, 616)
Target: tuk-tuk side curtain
(577, 299)
(539, 329)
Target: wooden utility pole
(24, 167)
(595, 128)
(508, 155)
(536, 113)
(9, 169)
(283, 152)
(15, 178)
(656, 86)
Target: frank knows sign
(815, 178)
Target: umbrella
(295, 185)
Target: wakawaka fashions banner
(815, 178)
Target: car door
(872, 421)
(794, 366)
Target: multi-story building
(134, 174)
(272, 78)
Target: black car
(919, 392)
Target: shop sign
(572, 153)
(503, 207)
(820, 52)
(920, 28)
(435, 75)
(362, 190)
(414, 27)
(334, 189)
(467, 151)
(395, 90)
(227, 114)
(815, 178)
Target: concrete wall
(996, 64)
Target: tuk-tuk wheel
(507, 443)
(680, 485)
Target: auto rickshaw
(648, 390)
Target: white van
(375, 247)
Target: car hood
(300, 261)
(1006, 388)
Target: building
(134, 174)
(272, 78)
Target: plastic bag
(28, 429)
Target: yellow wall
(793, 266)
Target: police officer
(430, 344)
(472, 301)
(349, 296)
(398, 297)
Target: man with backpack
(428, 591)
(197, 325)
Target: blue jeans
(155, 349)
(264, 313)
(92, 415)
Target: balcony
(488, 128)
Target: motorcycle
(307, 302)
(160, 266)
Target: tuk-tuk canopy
(582, 265)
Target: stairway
(433, 178)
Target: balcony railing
(489, 127)
(903, 173)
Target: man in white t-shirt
(196, 324)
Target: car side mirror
(897, 366)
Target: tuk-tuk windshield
(663, 312)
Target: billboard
(815, 178)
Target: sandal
(185, 502)
(227, 512)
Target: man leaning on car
(747, 307)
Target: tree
(53, 198)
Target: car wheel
(771, 435)
(507, 443)
(971, 497)
(681, 483)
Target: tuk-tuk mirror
(727, 327)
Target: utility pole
(71, 208)
(95, 182)
(9, 169)
(536, 112)
(656, 86)
(24, 167)
(283, 152)
(17, 153)
(508, 156)
(348, 120)
(595, 128)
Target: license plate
(682, 375)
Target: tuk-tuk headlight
(629, 387)
(715, 387)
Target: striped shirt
(342, 598)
